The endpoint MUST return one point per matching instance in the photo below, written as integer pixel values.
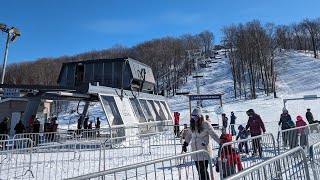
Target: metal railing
(12, 144)
(289, 165)
(51, 161)
(304, 136)
(314, 152)
(175, 167)
(237, 155)
(48, 138)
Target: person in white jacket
(199, 136)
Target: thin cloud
(117, 26)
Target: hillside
(298, 75)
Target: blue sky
(69, 27)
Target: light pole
(13, 34)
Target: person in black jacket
(4, 130)
(285, 118)
(232, 123)
(4, 126)
(36, 130)
(19, 128)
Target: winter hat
(5, 119)
(250, 111)
(240, 128)
(196, 112)
(308, 109)
(284, 110)
(232, 112)
(299, 118)
(291, 124)
(207, 116)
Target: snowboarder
(285, 118)
(176, 123)
(229, 157)
(243, 134)
(90, 125)
(199, 136)
(232, 123)
(224, 121)
(256, 126)
(79, 123)
(302, 131)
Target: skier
(256, 125)
(302, 131)
(232, 123)
(229, 157)
(285, 118)
(243, 134)
(200, 134)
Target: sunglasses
(196, 116)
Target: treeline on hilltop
(254, 48)
(166, 56)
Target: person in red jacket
(302, 131)
(176, 124)
(229, 157)
(256, 126)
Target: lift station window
(137, 110)
(147, 109)
(162, 112)
(165, 107)
(79, 75)
(158, 118)
(112, 111)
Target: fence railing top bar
(267, 162)
(125, 168)
(20, 139)
(247, 139)
(135, 136)
(296, 128)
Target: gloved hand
(184, 147)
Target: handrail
(270, 161)
(111, 171)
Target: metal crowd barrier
(237, 155)
(48, 138)
(51, 162)
(304, 136)
(315, 159)
(180, 167)
(289, 165)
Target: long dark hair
(196, 124)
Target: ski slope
(299, 75)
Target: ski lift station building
(124, 87)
